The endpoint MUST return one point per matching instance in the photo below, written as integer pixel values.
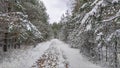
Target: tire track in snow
(52, 58)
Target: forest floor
(51, 54)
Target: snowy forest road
(50, 54)
(60, 55)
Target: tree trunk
(5, 43)
(115, 53)
(106, 53)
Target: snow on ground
(52, 58)
(24, 58)
(57, 53)
(75, 59)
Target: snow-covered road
(73, 56)
(57, 53)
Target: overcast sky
(55, 9)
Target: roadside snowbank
(24, 58)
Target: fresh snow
(113, 17)
(115, 1)
(94, 11)
(100, 34)
(83, 5)
(26, 58)
(116, 33)
(88, 27)
(94, 2)
(75, 59)
(85, 18)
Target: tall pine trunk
(5, 43)
(115, 54)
